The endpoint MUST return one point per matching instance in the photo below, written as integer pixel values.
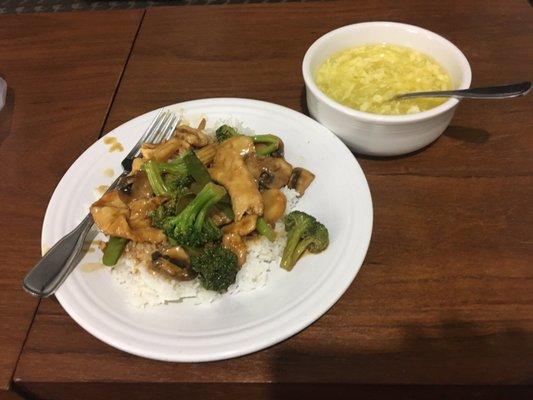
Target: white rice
(147, 289)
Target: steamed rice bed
(145, 288)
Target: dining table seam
(11, 380)
(121, 76)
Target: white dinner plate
(239, 323)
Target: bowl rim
(380, 118)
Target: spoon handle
(491, 92)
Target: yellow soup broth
(367, 77)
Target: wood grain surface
(62, 71)
(445, 295)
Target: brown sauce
(108, 172)
(91, 267)
(114, 144)
(102, 189)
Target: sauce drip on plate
(114, 144)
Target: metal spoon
(491, 92)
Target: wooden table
(445, 295)
(62, 71)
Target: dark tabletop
(445, 295)
(62, 71)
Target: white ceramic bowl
(384, 135)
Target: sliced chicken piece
(110, 214)
(147, 149)
(234, 242)
(229, 169)
(243, 227)
(159, 152)
(206, 153)
(137, 164)
(194, 136)
(116, 215)
(274, 202)
(169, 148)
(140, 221)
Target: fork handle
(56, 265)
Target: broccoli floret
(177, 183)
(211, 230)
(165, 178)
(216, 268)
(155, 178)
(270, 143)
(192, 226)
(314, 243)
(225, 132)
(177, 201)
(304, 232)
(159, 215)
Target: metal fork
(56, 265)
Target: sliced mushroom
(126, 184)
(234, 242)
(270, 172)
(274, 204)
(136, 184)
(168, 266)
(177, 254)
(300, 180)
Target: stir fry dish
(197, 200)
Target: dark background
(30, 6)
